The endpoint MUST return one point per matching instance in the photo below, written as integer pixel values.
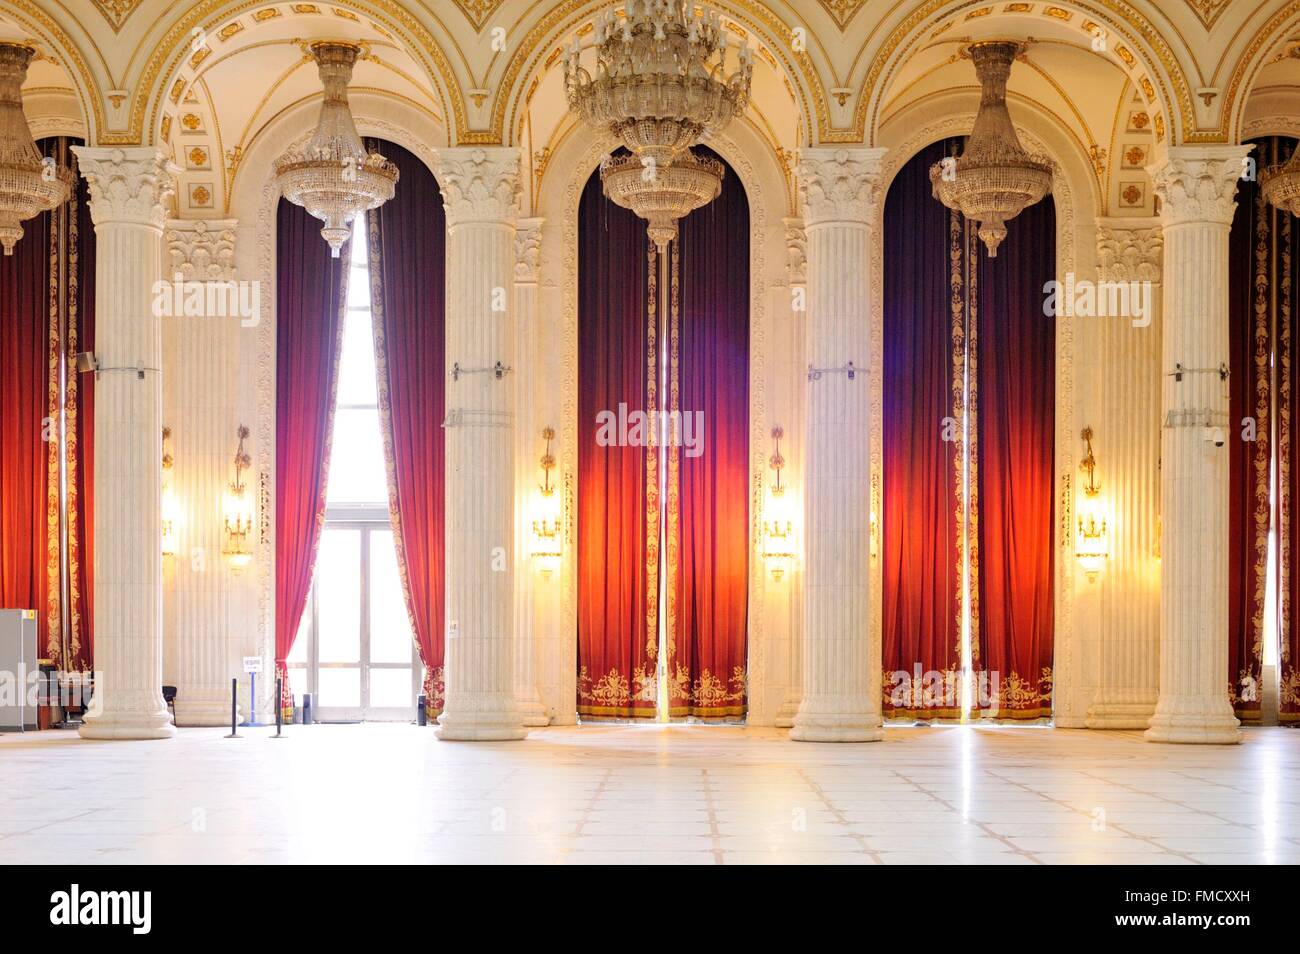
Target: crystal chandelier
(29, 184)
(331, 176)
(995, 178)
(661, 83)
(1281, 184)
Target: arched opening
(663, 464)
(362, 388)
(969, 406)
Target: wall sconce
(1092, 541)
(548, 519)
(168, 499)
(778, 527)
(238, 544)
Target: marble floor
(623, 794)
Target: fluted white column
(128, 191)
(529, 445)
(203, 351)
(841, 694)
(1128, 450)
(479, 191)
(1197, 187)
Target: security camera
(1214, 435)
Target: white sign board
(252, 664)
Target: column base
(481, 727)
(1120, 715)
(842, 724)
(205, 712)
(785, 716)
(1214, 725)
(532, 712)
(128, 725)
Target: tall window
(355, 653)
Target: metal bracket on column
(815, 374)
(497, 370)
(137, 371)
(1178, 372)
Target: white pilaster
(529, 444)
(203, 355)
(1197, 187)
(479, 192)
(129, 189)
(786, 598)
(1128, 450)
(841, 681)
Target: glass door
(356, 654)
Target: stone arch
(170, 55)
(1145, 55)
(538, 51)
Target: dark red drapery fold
(1288, 482)
(408, 238)
(617, 620)
(81, 451)
(712, 361)
(311, 291)
(1013, 381)
(1251, 272)
(924, 307)
(46, 317)
(24, 394)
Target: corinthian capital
(528, 250)
(127, 185)
(1129, 254)
(1199, 183)
(479, 184)
(840, 185)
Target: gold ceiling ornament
(29, 183)
(995, 178)
(1281, 184)
(842, 11)
(116, 11)
(662, 82)
(477, 11)
(331, 175)
(1208, 11)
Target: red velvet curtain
(81, 428)
(1013, 403)
(921, 507)
(408, 239)
(1288, 482)
(617, 497)
(46, 420)
(1252, 267)
(25, 365)
(311, 295)
(709, 358)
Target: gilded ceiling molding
(1116, 16)
(751, 15)
(66, 53)
(173, 49)
(117, 11)
(477, 11)
(1251, 61)
(1208, 11)
(842, 11)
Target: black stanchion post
(279, 688)
(234, 711)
